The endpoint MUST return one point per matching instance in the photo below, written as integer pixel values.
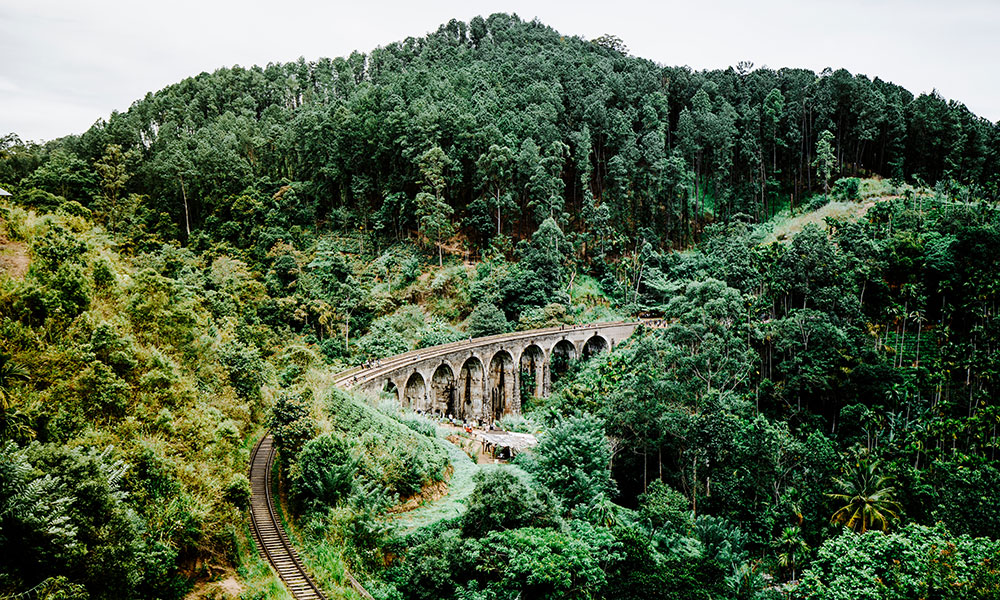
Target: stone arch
(595, 345)
(563, 352)
(502, 386)
(390, 388)
(532, 371)
(416, 392)
(443, 392)
(471, 382)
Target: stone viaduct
(482, 379)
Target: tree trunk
(187, 220)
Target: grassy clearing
(784, 226)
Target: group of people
(467, 425)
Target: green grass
(453, 504)
(785, 226)
(586, 289)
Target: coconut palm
(867, 497)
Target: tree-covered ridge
(524, 124)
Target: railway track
(358, 375)
(272, 541)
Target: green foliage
(323, 473)
(259, 217)
(439, 567)
(486, 319)
(67, 514)
(866, 499)
(437, 333)
(245, 369)
(237, 491)
(418, 423)
(664, 507)
(914, 562)
(540, 563)
(966, 497)
(825, 161)
(847, 188)
(505, 499)
(292, 424)
(383, 339)
(550, 315)
(573, 460)
(10, 372)
(393, 457)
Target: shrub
(848, 188)
(420, 424)
(486, 319)
(663, 506)
(245, 367)
(237, 491)
(914, 562)
(323, 473)
(507, 499)
(541, 563)
(572, 459)
(292, 424)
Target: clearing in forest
(844, 210)
(14, 259)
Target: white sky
(66, 63)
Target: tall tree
(826, 160)
(433, 213)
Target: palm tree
(793, 548)
(869, 501)
(9, 373)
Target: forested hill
(814, 414)
(496, 125)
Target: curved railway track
(272, 541)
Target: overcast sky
(66, 63)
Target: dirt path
(14, 259)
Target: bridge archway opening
(416, 392)
(532, 367)
(594, 346)
(443, 391)
(501, 385)
(390, 389)
(563, 353)
(469, 397)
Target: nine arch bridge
(482, 379)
